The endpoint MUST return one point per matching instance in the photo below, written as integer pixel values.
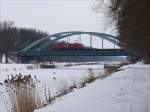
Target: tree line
(13, 39)
(132, 19)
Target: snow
(124, 91)
(46, 75)
(52, 78)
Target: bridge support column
(80, 38)
(91, 41)
(114, 46)
(102, 42)
(68, 41)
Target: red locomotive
(63, 45)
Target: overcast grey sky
(53, 16)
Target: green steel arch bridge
(38, 50)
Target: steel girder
(42, 43)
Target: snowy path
(124, 91)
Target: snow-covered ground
(46, 75)
(124, 91)
(49, 78)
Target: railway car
(67, 46)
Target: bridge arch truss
(42, 43)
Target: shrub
(91, 76)
(22, 93)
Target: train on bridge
(64, 45)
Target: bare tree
(13, 39)
(133, 25)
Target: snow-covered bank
(49, 78)
(124, 91)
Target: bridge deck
(79, 52)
